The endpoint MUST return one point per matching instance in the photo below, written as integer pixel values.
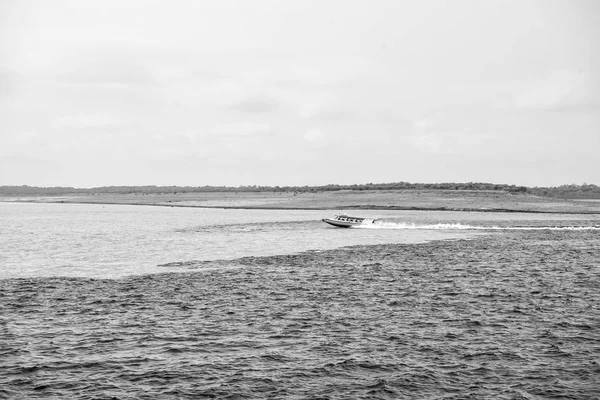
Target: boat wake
(458, 226)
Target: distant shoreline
(399, 200)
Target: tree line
(572, 191)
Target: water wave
(246, 226)
(508, 316)
(459, 226)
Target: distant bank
(572, 191)
(409, 199)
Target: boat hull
(340, 224)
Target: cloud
(425, 138)
(423, 124)
(316, 137)
(311, 104)
(8, 80)
(87, 121)
(560, 90)
(446, 134)
(256, 105)
(244, 128)
(433, 143)
(332, 114)
(106, 66)
(446, 142)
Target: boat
(346, 221)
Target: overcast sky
(126, 92)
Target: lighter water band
(456, 226)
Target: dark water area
(514, 315)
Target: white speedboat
(346, 221)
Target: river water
(106, 301)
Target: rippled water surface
(112, 241)
(507, 306)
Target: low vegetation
(583, 191)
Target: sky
(299, 92)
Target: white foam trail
(458, 226)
